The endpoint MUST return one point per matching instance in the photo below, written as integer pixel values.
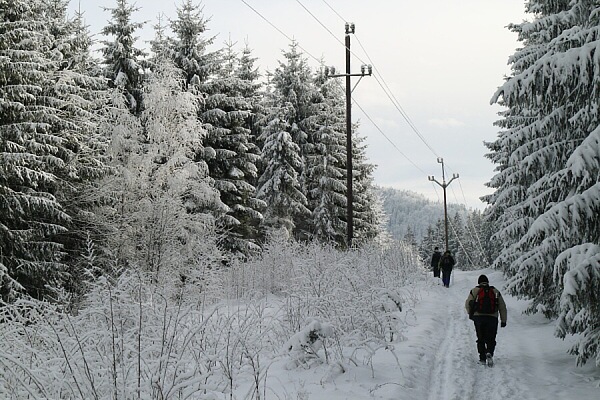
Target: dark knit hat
(482, 279)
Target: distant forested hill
(409, 209)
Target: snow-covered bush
(358, 293)
(210, 336)
(131, 339)
(305, 345)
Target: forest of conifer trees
(162, 159)
(147, 153)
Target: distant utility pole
(330, 73)
(444, 185)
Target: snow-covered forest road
(530, 363)
(438, 359)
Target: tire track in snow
(451, 377)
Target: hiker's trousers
(486, 327)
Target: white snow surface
(437, 358)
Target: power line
(333, 9)
(385, 87)
(388, 92)
(282, 32)
(473, 233)
(339, 84)
(320, 23)
(384, 135)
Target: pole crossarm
(343, 75)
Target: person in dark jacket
(435, 262)
(446, 264)
(486, 325)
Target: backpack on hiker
(486, 301)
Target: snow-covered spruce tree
(189, 46)
(188, 50)
(279, 185)
(83, 97)
(227, 118)
(122, 60)
(294, 88)
(325, 176)
(159, 46)
(226, 114)
(32, 154)
(252, 91)
(554, 87)
(522, 135)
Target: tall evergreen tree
(32, 153)
(551, 149)
(279, 185)
(160, 45)
(189, 47)
(294, 91)
(122, 60)
(189, 52)
(293, 81)
(82, 97)
(253, 92)
(227, 116)
(325, 183)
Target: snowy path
(438, 360)
(530, 362)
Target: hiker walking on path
(435, 262)
(446, 264)
(483, 305)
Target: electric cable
(282, 32)
(335, 12)
(388, 139)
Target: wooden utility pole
(444, 185)
(330, 73)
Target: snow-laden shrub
(213, 335)
(131, 339)
(359, 293)
(306, 344)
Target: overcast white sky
(442, 60)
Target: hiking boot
(489, 359)
(482, 362)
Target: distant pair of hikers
(445, 263)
